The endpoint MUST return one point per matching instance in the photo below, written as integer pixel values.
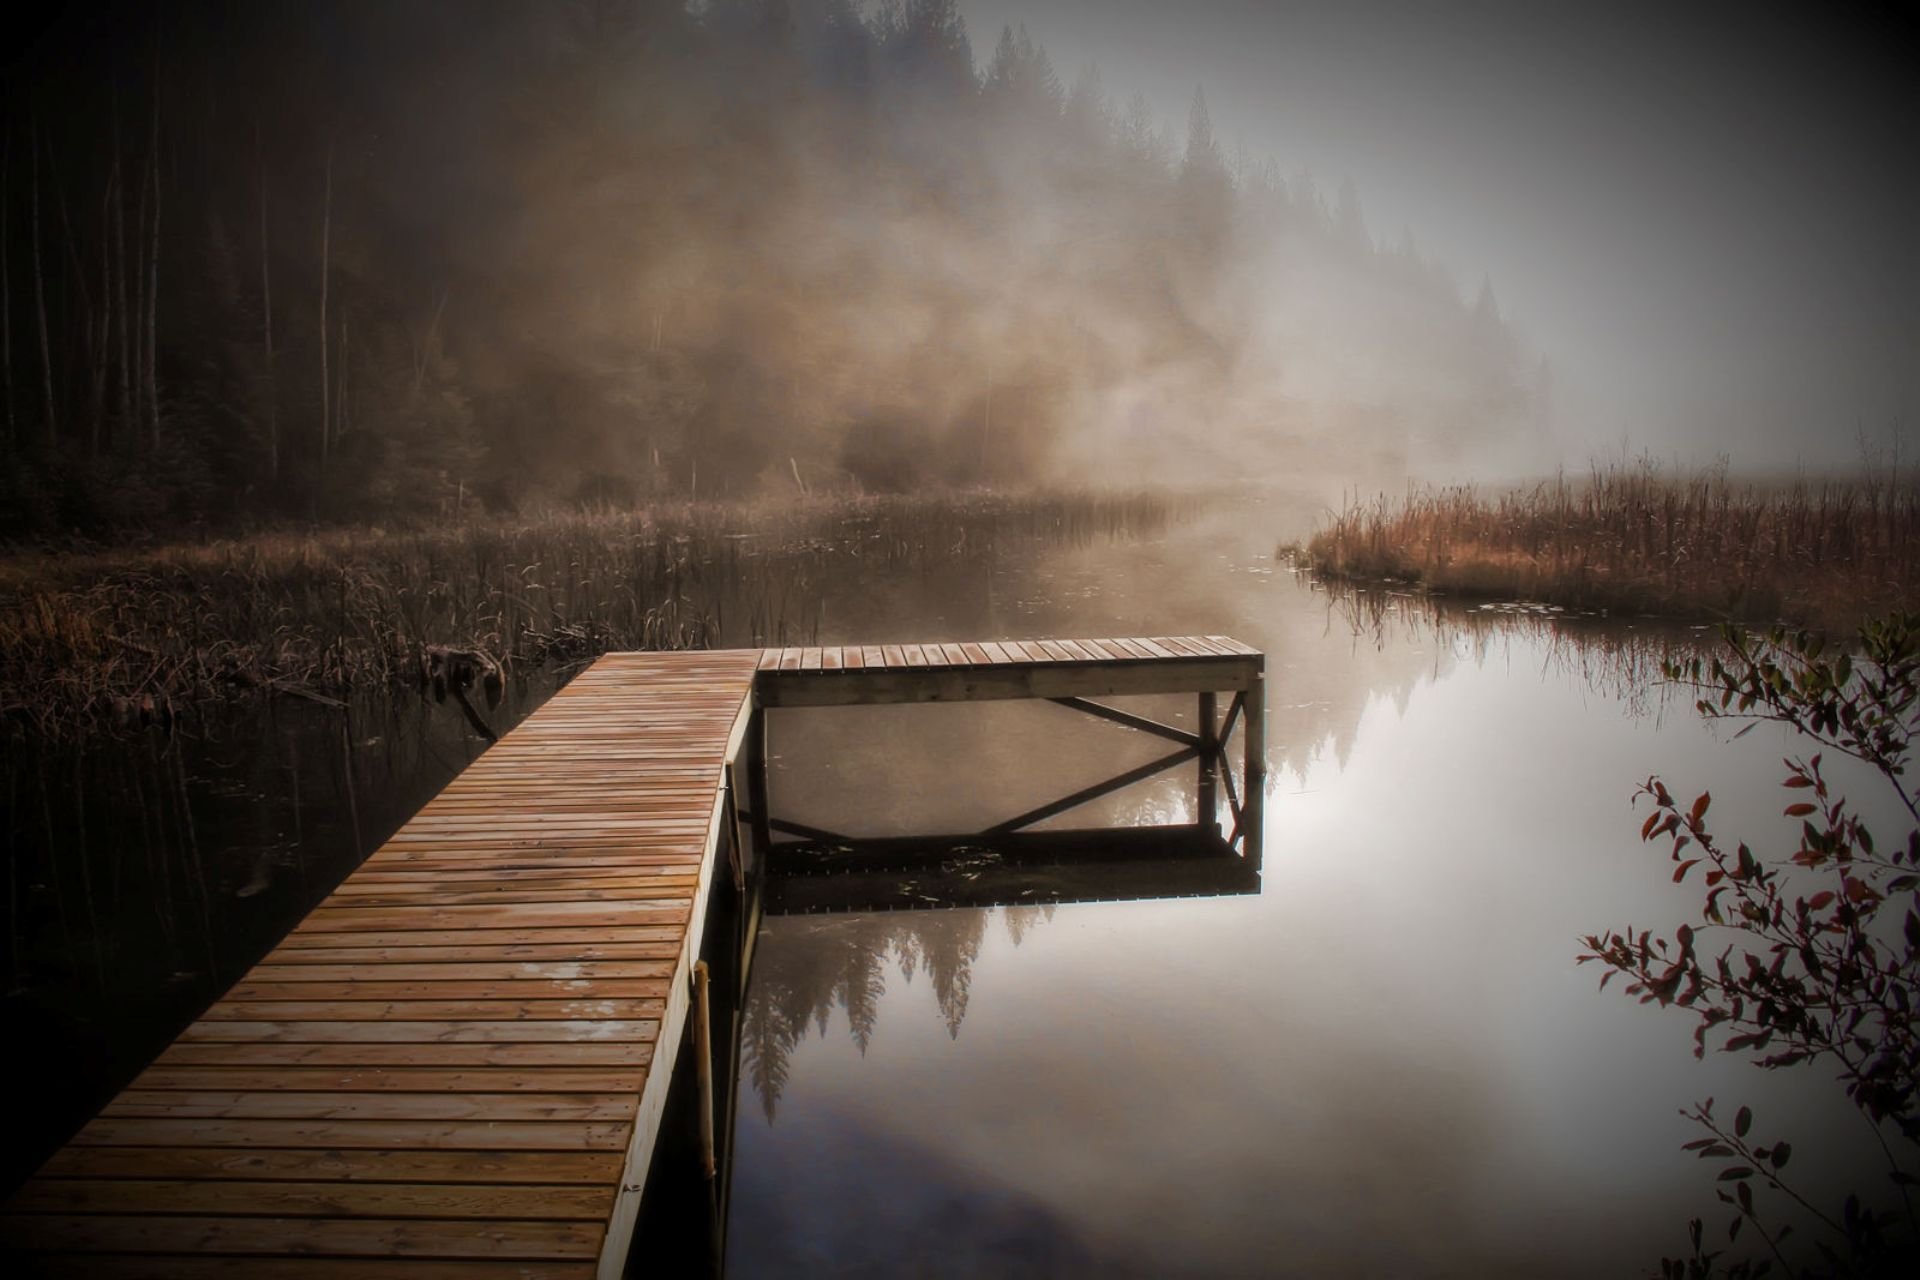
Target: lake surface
(1385, 1062)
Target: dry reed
(1635, 539)
(138, 634)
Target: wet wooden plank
(148, 1266)
(292, 1104)
(451, 1135)
(374, 983)
(211, 1163)
(316, 1199)
(335, 1237)
(435, 1054)
(367, 1079)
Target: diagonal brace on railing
(1078, 798)
(1131, 721)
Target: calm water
(1383, 1063)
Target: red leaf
(1798, 810)
(1680, 872)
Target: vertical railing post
(703, 1065)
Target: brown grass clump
(139, 634)
(1640, 540)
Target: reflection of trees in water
(805, 968)
(1402, 638)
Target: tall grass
(140, 632)
(1639, 539)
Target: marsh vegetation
(1639, 539)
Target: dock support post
(1256, 730)
(757, 781)
(703, 1064)
(1209, 763)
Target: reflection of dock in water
(1107, 864)
(483, 1053)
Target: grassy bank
(87, 637)
(1636, 539)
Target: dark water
(1383, 1063)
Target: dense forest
(270, 259)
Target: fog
(1702, 214)
(358, 262)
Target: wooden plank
(336, 1237)
(633, 1051)
(210, 1163)
(563, 937)
(830, 658)
(327, 1199)
(1235, 646)
(1077, 650)
(427, 964)
(289, 1104)
(110, 1266)
(476, 1012)
(373, 988)
(976, 654)
(873, 656)
(996, 653)
(1153, 648)
(451, 1135)
(810, 659)
(790, 658)
(769, 659)
(956, 655)
(895, 655)
(854, 657)
(914, 654)
(522, 1031)
(358, 1079)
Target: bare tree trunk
(92, 344)
(424, 352)
(326, 249)
(266, 318)
(6, 290)
(120, 302)
(342, 408)
(103, 352)
(40, 295)
(153, 274)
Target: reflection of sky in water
(1386, 1063)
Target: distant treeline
(267, 258)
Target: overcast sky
(1707, 215)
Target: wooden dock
(457, 1064)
